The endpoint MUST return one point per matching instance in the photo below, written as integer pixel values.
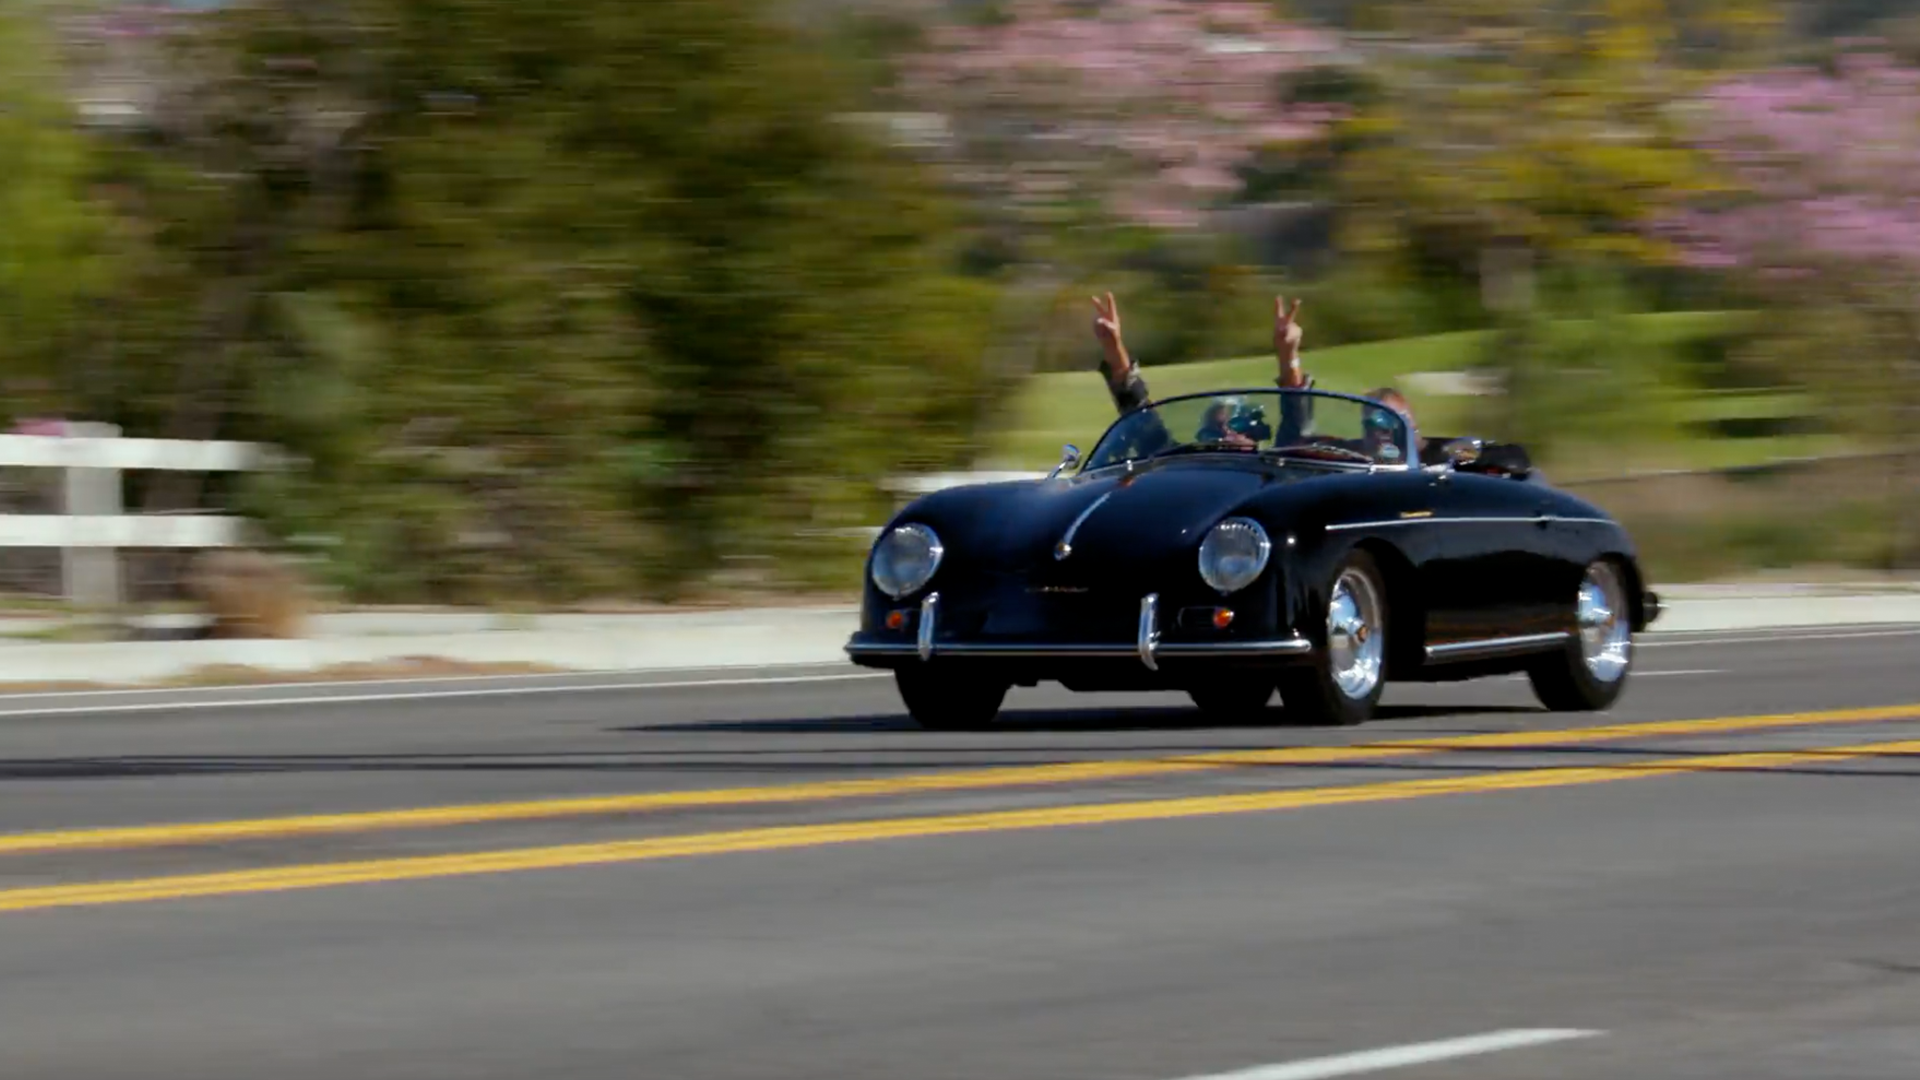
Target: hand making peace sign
(1286, 341)
(1106, 328)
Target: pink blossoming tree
(1823, 204)
(1824, 171)
(1147, 109)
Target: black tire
(1310, 692)
(1234, 700)
(1563, 680)
(1563, 684)
(940, 701)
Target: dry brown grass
(249, 594)
(413, 667)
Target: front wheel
(942, 702)
(1343, 685)
(1589, 674)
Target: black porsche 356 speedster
(1232, 544)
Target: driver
(1228, 421)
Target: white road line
(1521, 675)
(429, 695)
(215, 697)
(1396, 1057)
(1761, 639)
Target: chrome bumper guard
(1147, 644)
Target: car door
(1495, 574)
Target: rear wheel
(941, 701)
(1234, 701)
(1590, 673)
(1343, 684)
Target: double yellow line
(770, 839)
(217, 832)
(763, 839)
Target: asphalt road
(772, 874)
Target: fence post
(90, 576)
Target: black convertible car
(1236, 543)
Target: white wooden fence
(92, 524)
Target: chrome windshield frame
(1410, 450)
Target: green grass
(1074, 406)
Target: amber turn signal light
(896, 619)
(1222, 618)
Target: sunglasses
(1380, 420)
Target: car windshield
(1305, 424)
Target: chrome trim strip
(1282, 647)
(1128, 464)
(1065, 547)
(1488, 648)
(1534, 520)
(1149, 636)
(929, 614)
(1332, 463)
(1279, 647)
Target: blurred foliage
(54, 262)
(1511, 135)
(1147, 110)
(1531, 150)
(1703, 544)
(599, 297)
(573, 301)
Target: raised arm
(1129, 390)
(1286, 344)
(1296, 413)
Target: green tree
(1515, 139)
(53, 236)
(572, 297)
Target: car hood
(1157, 510)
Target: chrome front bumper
(1147, 645)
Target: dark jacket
(1296, 412)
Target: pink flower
(1828, 167)
(1151, 94)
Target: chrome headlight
(1233, 554)
(905, 559)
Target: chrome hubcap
(1605, 626)
(1355, 643)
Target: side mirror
(1509, 458)
(1489, 458)
(1463, 452)
(1069, 457)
